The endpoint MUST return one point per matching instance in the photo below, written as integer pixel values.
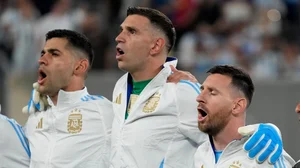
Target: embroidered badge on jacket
(236, 164)
(152, 103)
(75, 121)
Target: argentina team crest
(236, 164)
(75, 121)
(152, 103)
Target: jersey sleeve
(13, 137)
(107, 114)
(186, 94)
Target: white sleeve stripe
(24, 137)
(193, 85)
(20, 136)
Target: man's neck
(146, 74)
(150, 69)
(73, 88)
(227, 135)
(54, 99)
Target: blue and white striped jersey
(14, 148)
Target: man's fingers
(252, 141)
(258, 147)
(173, 68)
(275, 155)
(193, 78)
(44, 99)
(42, 106)
(35, 96)
(269, 148)
(25, 110)
(173, 79)
(36, 86)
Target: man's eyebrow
(209, 88)
(129, 28)
(52, 50)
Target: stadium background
(261, 36)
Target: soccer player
(14, 148)
(225, 95)
(155, 122)
(74, 131)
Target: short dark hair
(158, 19)
(76, 40)
(240, 79)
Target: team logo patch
(151, 103)
(75, 121)
(236, 164)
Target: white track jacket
(234, 156)
(14, 148)
(161, 126)
(73, 134)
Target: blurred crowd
(258, 35)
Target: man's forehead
(135, 20)
(58, 43)
(217, 80)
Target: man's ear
(158, 46)
(81, 66)
(239, 106)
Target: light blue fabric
(162, 164)
(217, 155)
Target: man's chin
(202, 128)
(44, 91)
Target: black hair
(160, 20)
(76, 40)
(240, 79)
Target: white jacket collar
(162, 76)
(171, 61)
(66, 98)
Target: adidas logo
(40, 124)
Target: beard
(215, 123)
